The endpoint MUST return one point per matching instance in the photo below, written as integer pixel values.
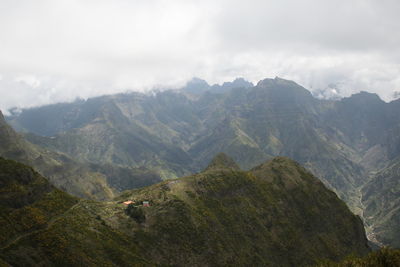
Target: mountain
(198, 86)
(177, 132)
(380, 258)
(275, 214)
(227, 86)
(27, 200)
(278, 117)
(43, 226)
(82, 180)
(222, 161)
(382, 204)
(250, 124)
(100, 132)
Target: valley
(98, 148)
(200, 133)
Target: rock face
(275, 214)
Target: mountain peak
(279, 160)
(196, 86)
(222, 161)
(285, 170)
(284, 91)
(364, 97)
(238, 82)
(276, 81)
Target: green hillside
(275, 214)
(93, 181)
(384, 257)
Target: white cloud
(57, 50)
(29, 80)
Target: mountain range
(352, 145)
(80, 179)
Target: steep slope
(384, 257)
(107, 136)
(88, 181)
(222, 161)
(228, 137)
(364, 122)
(276, 214)
(177, 132)
(279, 117)
(381, 196)
(62, 171)
(43, 226)
(252, 124)
(27, 200)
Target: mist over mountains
(152, 133)
(121, 147)
(174, 133)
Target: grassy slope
(109, 137)
(382, 258)
(62, 171)
(276, 214)
(41, 225)
(92, 181)
(27, 200)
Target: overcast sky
(55, 50)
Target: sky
(59, 50)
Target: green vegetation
(41, 225)
(382, 201)
(222, 161)
(346, 143)
(384, 257)
(135, 213)
(27, 201)
(91, 181)
(275, 214)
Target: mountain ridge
(342, 142)
(82, 180)
(276, 214)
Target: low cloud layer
(58, 50)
